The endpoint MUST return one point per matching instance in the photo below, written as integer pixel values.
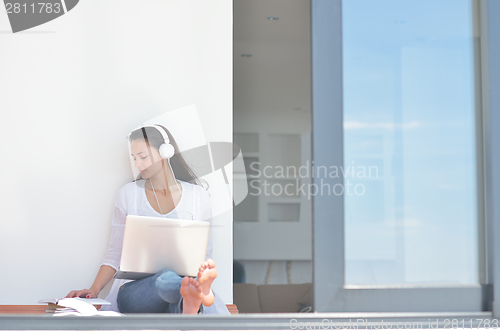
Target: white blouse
(131, 200)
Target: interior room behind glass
(272, 125)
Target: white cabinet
(274, 221)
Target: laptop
(151, 244)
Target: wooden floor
(40, 309)
(232, 308)
(23, 309)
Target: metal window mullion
(327, 150)
(491, 114)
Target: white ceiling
(277, 75)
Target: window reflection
(409, 110)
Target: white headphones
(166, 150)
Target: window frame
(490, 68)
(330, 292)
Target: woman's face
(147, 159)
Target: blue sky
(409, 109)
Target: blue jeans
(159, 293)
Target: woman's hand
(85, 293)
(104, 275)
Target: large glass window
(409, 141)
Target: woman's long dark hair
(153, 138)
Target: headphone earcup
(166, 150)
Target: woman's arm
(101, 280)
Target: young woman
(166, 187)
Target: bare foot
(206, 275)
(192, 295)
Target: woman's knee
(167, 275)
(168, 286)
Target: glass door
(396, 98)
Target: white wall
(70, 91)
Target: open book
(77, 306)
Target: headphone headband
(158, 128)
(166, 150)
